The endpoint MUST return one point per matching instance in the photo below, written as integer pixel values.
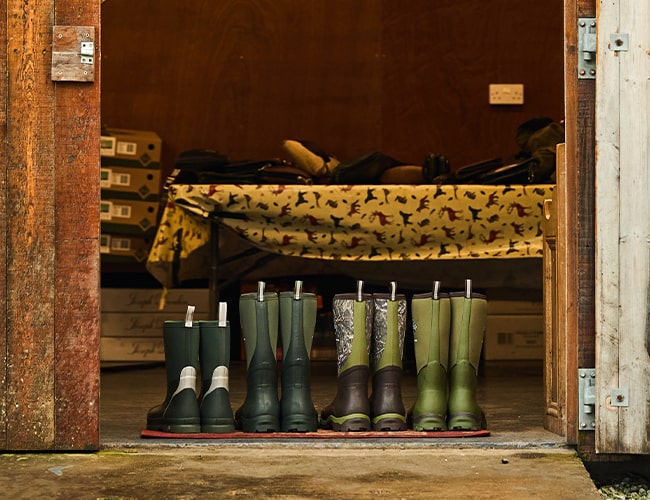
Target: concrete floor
(519, 460)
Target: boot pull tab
(223, 313)
(297, 293)
(359, 291)
(436, 290)
(468, 289)
(393, 291)
(260, 291)
(189, 316)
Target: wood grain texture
(30, 199)
(4, 103)
(623, 231)
(77, 192)
(355, 77)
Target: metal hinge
(587, 48)
(73, 53)
(587, 399)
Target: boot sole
(260, 424)
(389, 422)
(175, 428)
(348, 423)
(299, 423)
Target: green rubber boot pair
(367, 324)
(260, 313)
(187, 343)
(448, 331)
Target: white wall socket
(506, 93)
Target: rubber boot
(214, 358)
(297, 324)
(431, 322)
(388, 331)
(259, 321)
(468, 322)
(350, 409)
(179, 412)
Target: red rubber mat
(321, 434)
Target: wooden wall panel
(49, 204)
(404, 78)
(242, 76)
(579, 319)
(3, 223)
(77, 308)
(439, 59)
(30, 214)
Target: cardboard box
(130, 148)
(148, 300)
(130, 183)
(140, 324)
(124, 247)
(131, 349)
(514, 337)
(128, 216)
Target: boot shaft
(259, 316)
(388, 330)
(181, 345)
(297, 320)
(468, 324)
(353, 317)
(431, 320)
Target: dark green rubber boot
(259, 321)
(468, 323)
(350, 409)
(388, 331)
(297, 324)
(214, 358)
(179, 413)
(431, 317)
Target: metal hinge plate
(587, 48)
(586, 399)
(73, 54)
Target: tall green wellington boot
(297, 324)
(179, 412)
(431, 318)
(350, 409)
(259, 321)
(388, 331)
(468, 322)
(214, 358)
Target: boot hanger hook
(359, 291)
(297, 295)
(468, 289)
(260, 291)
(436, 290)
(393, 290)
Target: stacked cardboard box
(132, 322)
(515, 330)
(130, 193)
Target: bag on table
(200, 166)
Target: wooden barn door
(623, 228)
(49, 225)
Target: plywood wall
(404, 78)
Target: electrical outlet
(506, 93)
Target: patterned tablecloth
(361, 222)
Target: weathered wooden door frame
(49, 136)
(623, 228)
(49, 219)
